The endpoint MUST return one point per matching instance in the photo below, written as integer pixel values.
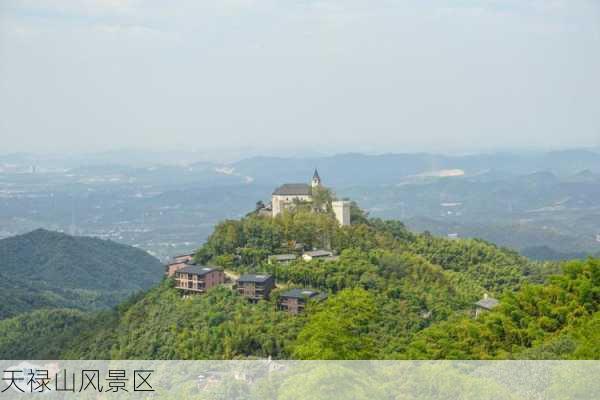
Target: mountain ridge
(50, 269)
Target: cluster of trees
(555, 320)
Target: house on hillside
(294, 301)
(317, 255)
(177, 263)
(198, 279)
(486, 304)
(255, 287)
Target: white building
(285, 196)
(342, 211)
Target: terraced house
(255, 287)
(198, 279)
(294, 301)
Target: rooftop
(254, 278)
(300, 293)
(196, 270)
(284, 257)
(487, 303)
(293, 189)
(175, 262)
(318, 253)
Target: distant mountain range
(359, 169)
(341, 169)
(44, 269)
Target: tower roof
(316, 175)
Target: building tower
(341, 210)
(316, 179)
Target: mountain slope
(390, 294)
(412, 281)
(49, 269)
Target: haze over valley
(546, 205)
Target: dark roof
(319, 253)
(254, 278)
(316, 175)
(196, 270)
(293, 189)
(487, 303)
(284, 257)
(300, 294)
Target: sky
(321, 76)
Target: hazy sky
(331, 76)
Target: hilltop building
(289, 193)
(198, 279)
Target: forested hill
(50, 269)
(392, 294)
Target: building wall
(291, 305)
(256, 290)
(199, 283)
(342, 212)
(214, 278)
(172, 268)
(247, 289)
(279, 202)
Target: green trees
(391, 294)
(43, 334)
(554, 320)
(321, 199)
(44, 269)
(341, 330)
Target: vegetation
(555, 320)
(392, 294)
(44, 269)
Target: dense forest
(44, 269)
(392, 294)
